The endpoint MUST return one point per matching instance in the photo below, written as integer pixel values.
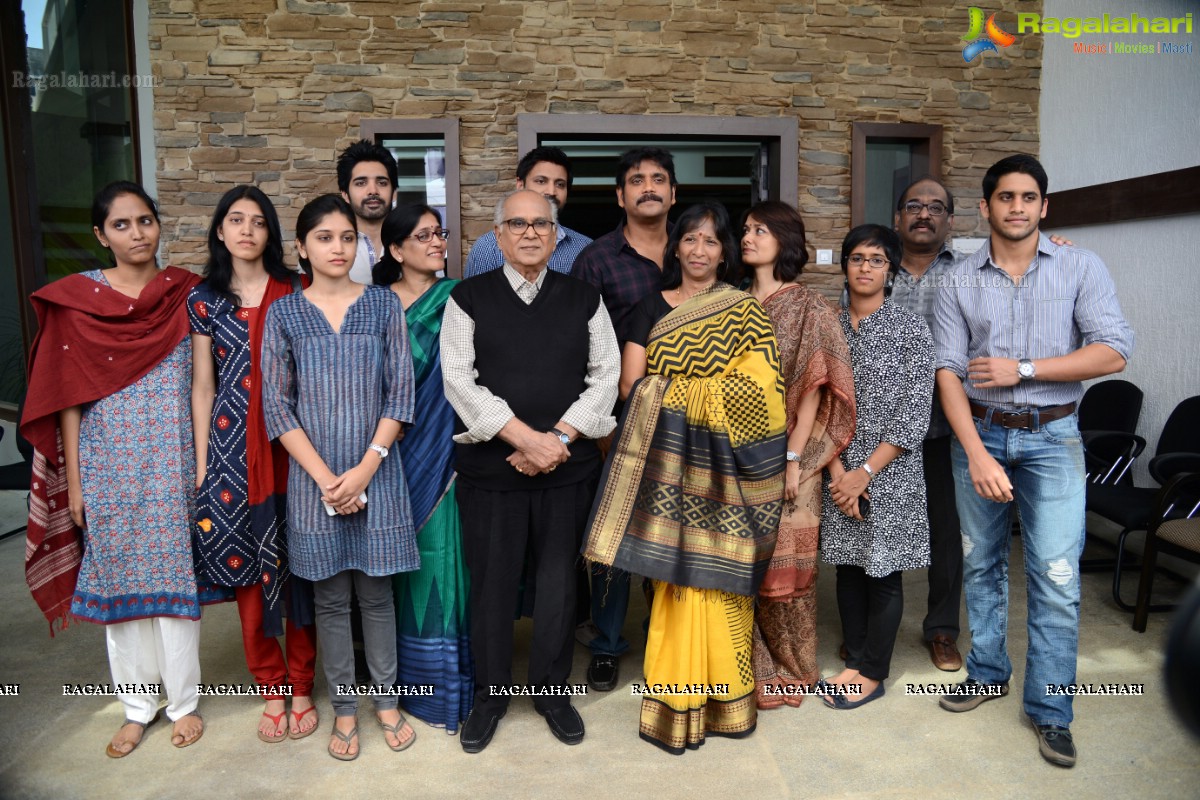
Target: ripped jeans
(1047, 472)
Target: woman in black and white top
(874, 522)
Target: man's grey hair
(499, 215)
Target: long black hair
(688, 222)
(311, 215)
(219, 268)
(102, 205)
(398, 225)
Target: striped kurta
(336, 386)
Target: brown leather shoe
(945, 653)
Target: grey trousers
(332, 599)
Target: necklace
(684, 298)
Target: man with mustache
(924, 218)
(366, 174)
(626, 265)
(1018, 327)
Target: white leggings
(158, 650)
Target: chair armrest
(1165, 466)
(1109, 454)
(1179, 498)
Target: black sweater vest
(535, 358)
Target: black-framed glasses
(874, 262)
(518, 226)
(935, 209)
(424, 236)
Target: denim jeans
(610, 601)
(1047, 473)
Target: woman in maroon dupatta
(820, 423)
(109, 416)
(241, 477)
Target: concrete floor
(902, 746)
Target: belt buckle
(1012, 419)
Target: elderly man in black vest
(531, 365)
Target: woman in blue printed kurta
(337, 384)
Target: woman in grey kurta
(891, 352)
(336, 393)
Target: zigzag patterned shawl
(692, 492)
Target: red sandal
(275, 720)
(296, 717)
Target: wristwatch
(792, 455)
(1025, 369)
(562, 437)
(380, 449)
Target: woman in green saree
(431, 604)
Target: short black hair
(364, 150)
(315, 211)
(1021, 162)
(631, 158)
(398, 225)
(553, 155)
(877, 235)
(689, 221)
(925, 179)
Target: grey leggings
(332, 598)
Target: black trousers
(945, 542)
(497, 528)
(870, 609)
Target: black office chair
(1132, 507)
(1175, 530)
(1110, 407)
(16, 477)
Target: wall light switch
(824, 256)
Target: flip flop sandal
(299, 716)
(113, 752)
(395, 731)
(345, 737)
(184, 741)
(279, 737)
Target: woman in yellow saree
(691, 497)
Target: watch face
(562, 437)
(1025, 369)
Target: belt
(1020, 420)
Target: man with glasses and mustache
(530, 365)
(366, 174)
(625, 265)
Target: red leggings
(264, 656)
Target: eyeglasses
(935, 209)
(424, 236)
(874, 262)
(518, 226)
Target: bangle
(867, 469)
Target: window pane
(421, 170)
(889, 170)
(82, 110)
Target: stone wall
(267, 91)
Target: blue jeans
(1047, 473)
(610, 601)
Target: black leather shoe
(565, 723)
(478, 730)
(602, 672)
(1056, 745)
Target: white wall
(1110, 117)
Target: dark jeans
(870, 609)
(610, 601)
(945, 541)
